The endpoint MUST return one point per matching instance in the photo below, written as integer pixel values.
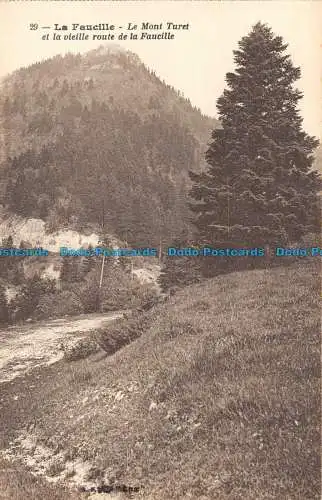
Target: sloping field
(218, 399)
(16, 484)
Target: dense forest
(100, 140)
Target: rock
(152, 406)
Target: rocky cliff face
(33, 231)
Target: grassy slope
(16, 484)
(219, 399)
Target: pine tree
(178, 271)
(11, 268)
(258, 188)
(4, 313)
(19, 196)
(69, 270)
(24, 305)
(88, 262)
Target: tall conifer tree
(259, 187)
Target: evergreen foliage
(11, 267)
(25, 304)
(259, 187)
(70, 271)
(82, 136)
(88, 262)
(178, 271)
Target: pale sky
(196, 61)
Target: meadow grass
(19, 484)
(218, 398)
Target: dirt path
(23, 348)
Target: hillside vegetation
(96, 140)
(18, 484)
(217, 399)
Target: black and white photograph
(160, 249)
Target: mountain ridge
(81, 132)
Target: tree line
(114, 162)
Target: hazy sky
(197, 60)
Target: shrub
(81, 350)
(58, 304)
(26, 303)
(129, 296)
(122, 332)
(55, 468)
(118, 291)
(201, 306)
(311, 240)
(181, 328)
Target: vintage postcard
(160, 249)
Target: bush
(181, 328)
(311, 240)
(128, 296)
(26, 303)
(58, 304)
(123, 331)
(81, 350)
(201, 306)
(118, 291)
